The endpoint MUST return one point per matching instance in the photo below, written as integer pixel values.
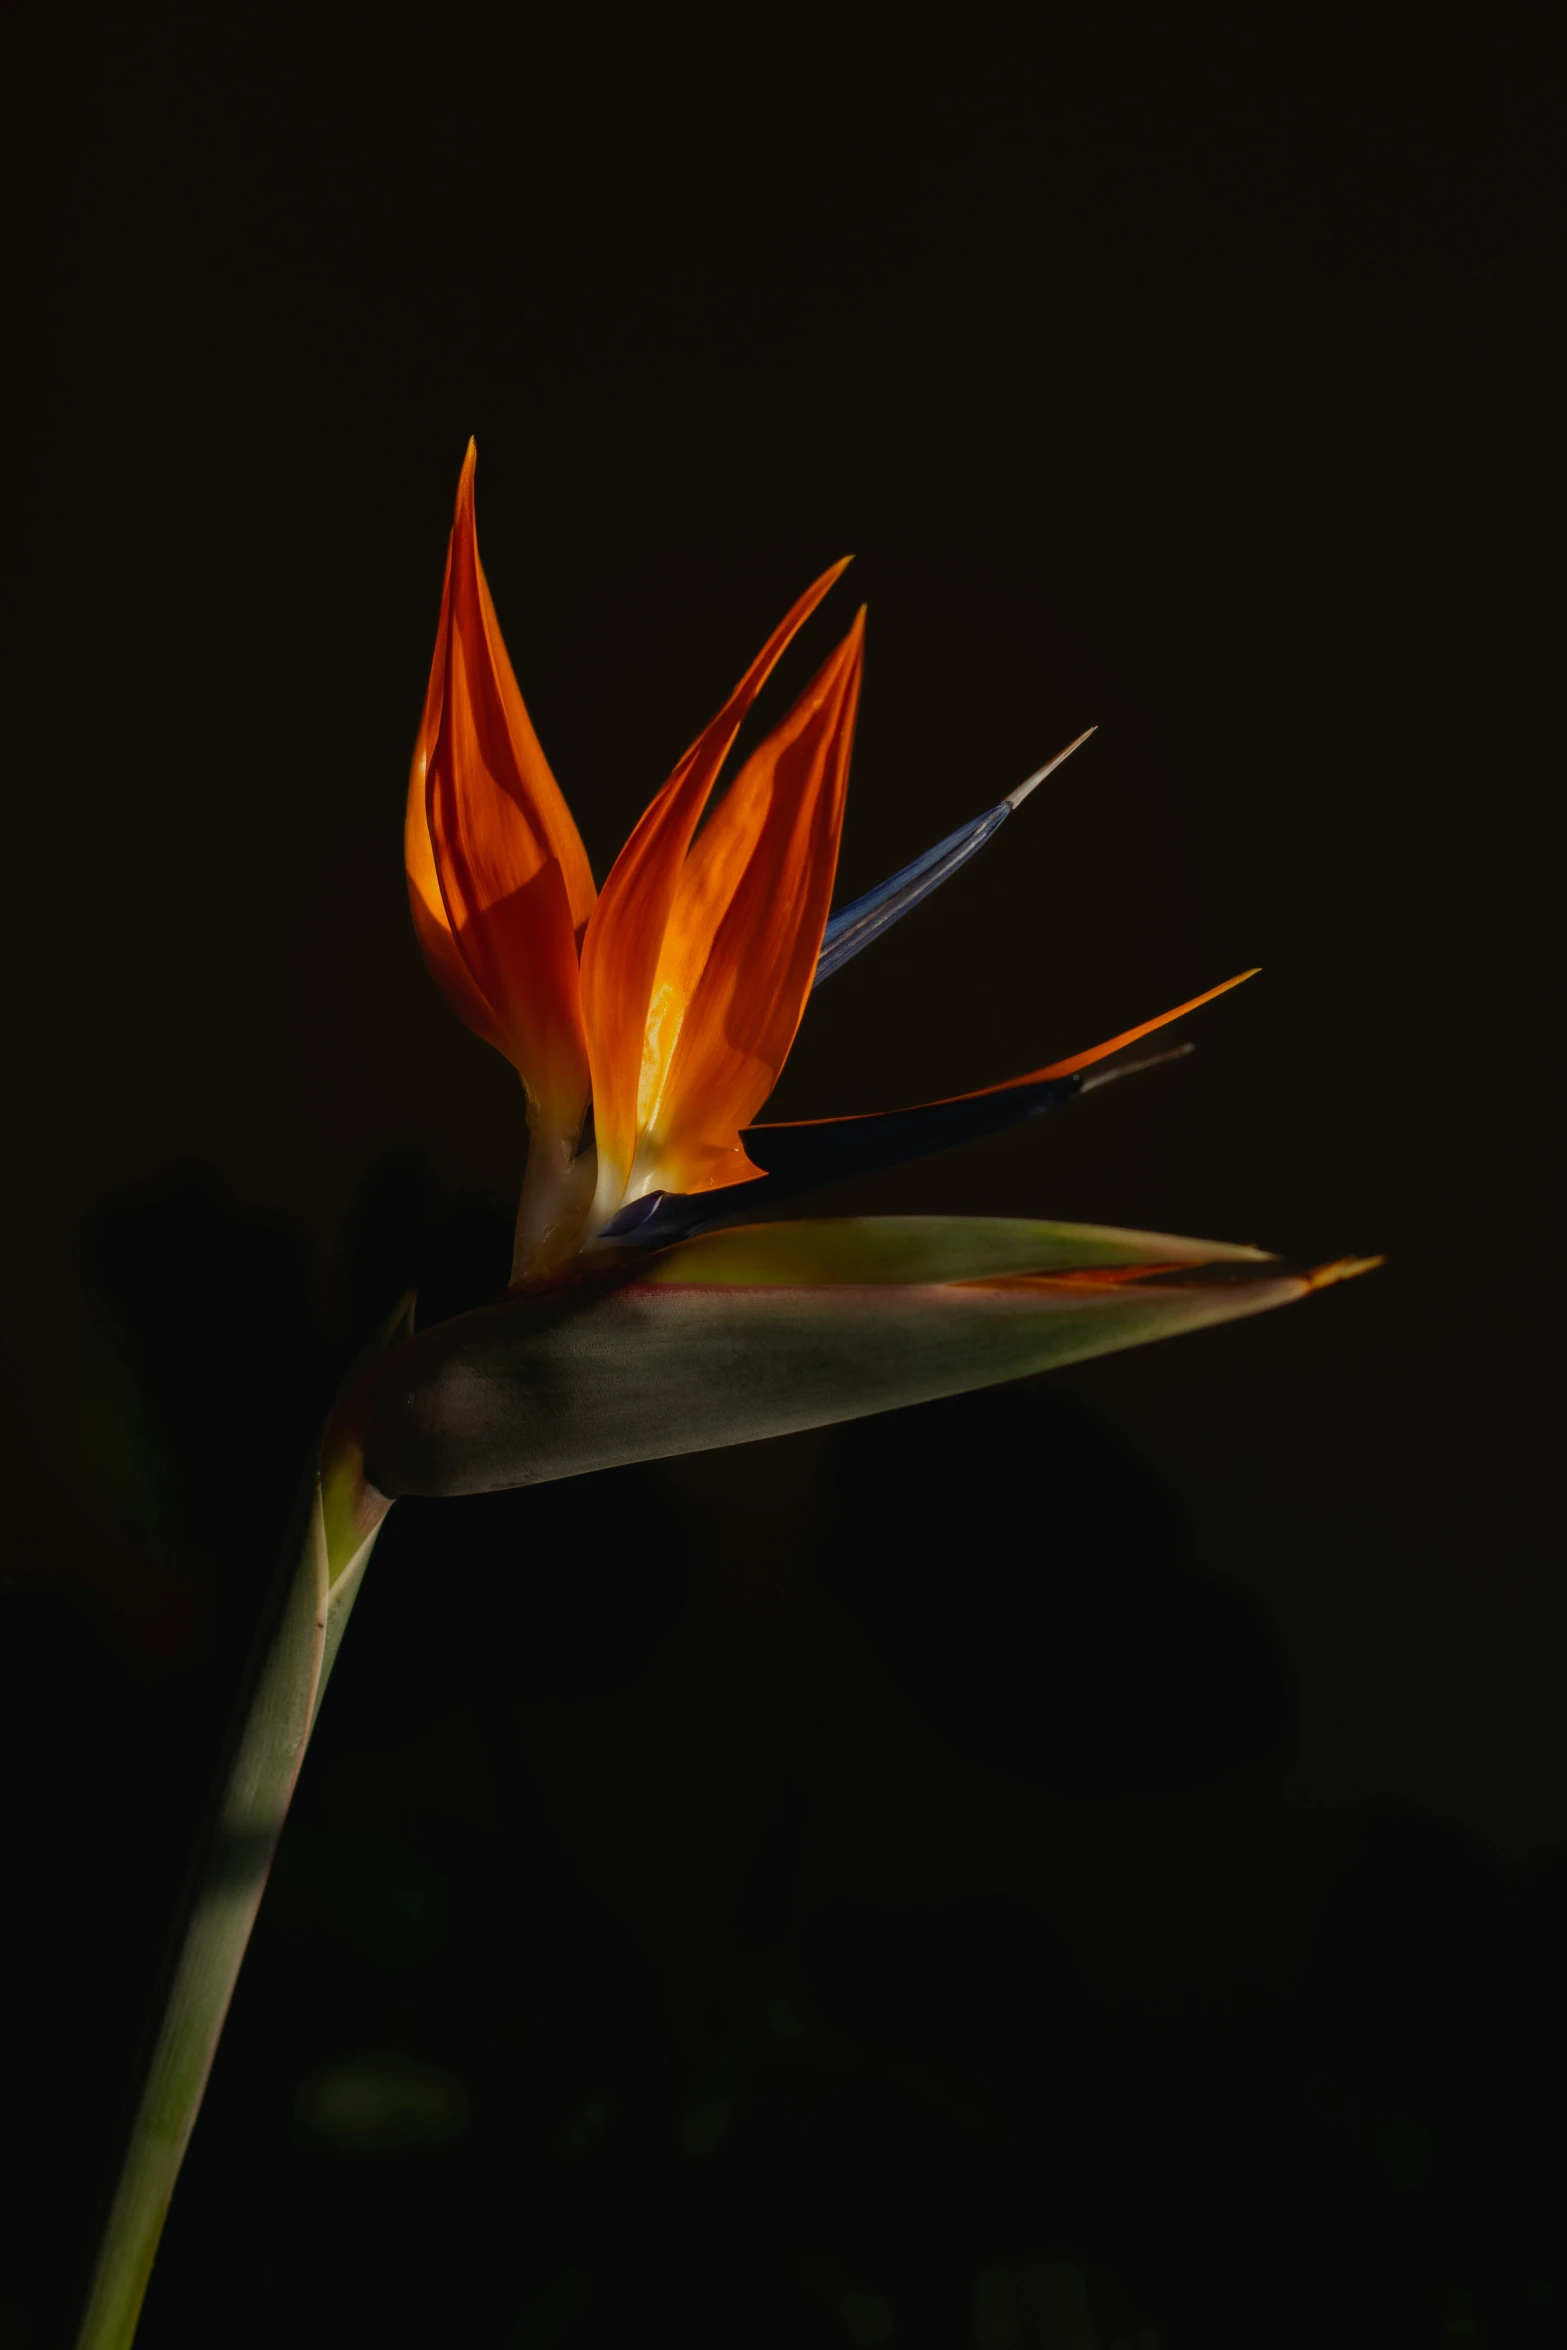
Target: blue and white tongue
(857, 925)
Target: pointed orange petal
(1075, 1061)
(519, 760)
(512, 873)
(1067, 1068)
(743, 938)
(625, 936)
(432, 929)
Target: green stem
(282, 1713)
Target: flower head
(649, 1022)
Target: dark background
(1081, 1866)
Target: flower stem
(322, 1586)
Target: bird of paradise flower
(649, 1022)
(653, 1307)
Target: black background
(1081, 1866)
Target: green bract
(752, 1333)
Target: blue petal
(869, 916)
(877, 911)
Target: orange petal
(433, 931)
(1098, 1052)
(625, 937)
(1067, 1068)
(512, 873)
(743, 938)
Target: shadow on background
(1023, 1573)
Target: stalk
(342, 1521)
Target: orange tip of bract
(1341, 1269)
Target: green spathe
(762, 1331)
